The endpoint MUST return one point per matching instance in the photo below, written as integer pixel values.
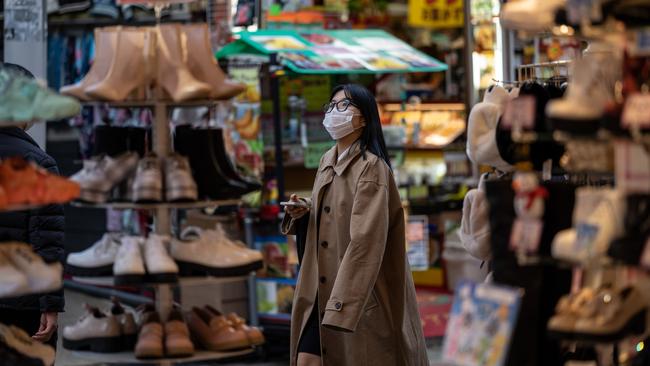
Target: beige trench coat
(357, 265)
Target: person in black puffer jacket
(43, 229)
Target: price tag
(632, 164)
(645, 256)
(585, 236)
(520, 113)
(526, 235)
(636, 111)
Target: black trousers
(27, 320)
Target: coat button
(324, 351)
(327, 209)
(322, 279)
(338, 306)
(324, 244)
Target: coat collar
(329, 160)
(18, 133)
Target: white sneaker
(96, 261)
(21, 342)
(161, 268)
(94, 332)
(41, 277)
(129, 265)
(530, 15)
(200, 254)
(12, 282)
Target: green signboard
(335, 51)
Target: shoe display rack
(164, 297)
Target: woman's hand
(295, 212)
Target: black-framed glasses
(341, 106)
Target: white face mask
(339, 124)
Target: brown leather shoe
(150, 340)
(254, 334)
(177, 336)
(215, 333)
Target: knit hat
(481, 131)
(475, 224)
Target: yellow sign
(436, 13)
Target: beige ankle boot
(203, 64)
(128, 74)
(105, 45)
(173, 75)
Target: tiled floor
(74, 309)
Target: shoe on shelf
(211, 180)
(94, 332)
(255, 336)
(128, 328)
(177, 336)
(614, 314)
(41, 277)
(100, 175)
(174, 75)
(179, 184)
(24, 182)
(150, 338)
(148, 184)
(127, 75)
(129, 267)
(533, 16)
(204, 255)
(568, 310)
(97, 260)
(25, 100)
(23, 344)
(204, 66)
(215, 333)
(254, 256)
(161, 268)
(13, 282)
(105, 47)
(597, 220)
(582, 107)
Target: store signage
(436, 13)
(23, 21)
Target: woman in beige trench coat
(354, 303)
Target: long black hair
(372, 137)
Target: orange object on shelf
(25, 183)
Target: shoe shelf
(153, 103)
(161, 205)
(183, 281)
(129, 357)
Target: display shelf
(153, 103)
(129, 357)
(12, 208)
(161, 205)
(183, 281)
